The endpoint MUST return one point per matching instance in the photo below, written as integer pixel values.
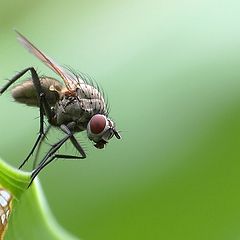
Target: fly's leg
(55, 156)
(39, 146)
(43, 104)
(51, 155)
(40, 134)
(13, 80)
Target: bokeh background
(171, 71)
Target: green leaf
(29, 216)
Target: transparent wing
(71, 81)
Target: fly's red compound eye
(97, 123)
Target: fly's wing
(71, 81)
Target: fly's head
(100, 129)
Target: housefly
(75, 106)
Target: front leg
(39, 146)
(51, 155)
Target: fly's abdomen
(26, 92)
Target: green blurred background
(171, 70)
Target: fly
(75, 106)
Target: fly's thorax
(87, 91)
(80, 108)
(67, 110)
(91, 100)
(26, 92)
